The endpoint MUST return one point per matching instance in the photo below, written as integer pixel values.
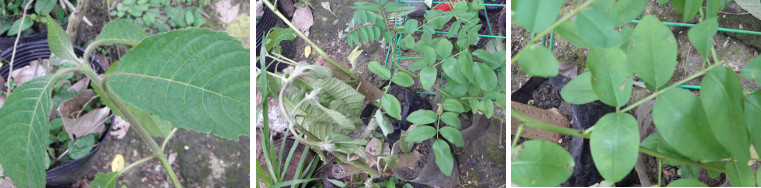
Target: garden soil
(737, 49)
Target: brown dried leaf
(81, 84)
(119, 128)
(227, 12)
(2, 100)
(70, 108)
(91, 122)
(24, 74)
(303, 19)
(372, 147)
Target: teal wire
(720, 29)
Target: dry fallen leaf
(372, 147)
(91, 122)
(119, 128)
(303, 19)
(71, 108)
(2, 100)
(227, 12)
(81, 84)
(118, 163)
(307, 51)
(172, 157)
(24, 74)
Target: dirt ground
(735, 48)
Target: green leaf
(24, 133)
(81, 146)
(539, 163)
(277, 35)
(689, 172)
(453, 105)
(43, 7)
(652, 52)
(452, 135)
(420, 133)
(391, 105)
(451, 69)
(379, 70)
(484, 76)
(451, 119)
(454, 29)
(189, 17)
(611, 76)
(198, 19)
(688, 8)
(655, 142)
(539, 61)
(422, 117)
(603, 5)
(614, 144)
(428, 77)
(624, 11)
(402, 79)
(494, 60)
(121, 31)
(687, 183)
(207, 89)
(752, 106)
(579, 90)
(443, 155)
(429, 54)
(444, 48)
(597, 29)
(487, 107)
(740, 174)
(568, 31)
(410, 25)
(105, 180)
(751, 6)
(714, 6)
(721, 93)
(701, 35)
(383, 123)
(59, 42)
(679, 117)
(758, 176)
(16, 24)
(538, 15)
(752, 70)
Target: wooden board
(551, 116)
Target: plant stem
(517, 135)
(131, 165)
(314, 46)
(660, 171)
(657, 93)
(552, 27)
(678, 160)
(15, 43)
(163, 145)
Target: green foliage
(105, 180)
(420, 134)
(721, 95)
(443, 155)
(368, 23)
(379, 70)
(81, 146)
(161, 15)
(701, 35)
(614, 145)
(652, 52)
(740, 174)
(579, 90)
(597, 29)
(538, 61)
(422, 117)
(624, 11)
(687, 183)
(537, 15)
(392, 106)
(540, 163)
(611, 75)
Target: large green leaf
(721, 94)
(614, 145)
(59, 42)
(537, 60)
(611, 75)
(24, 132)
(453, 105)
(428, 77)
(597, 28)
(485, 77)
(740, 174)
(687, 183)
(379, 70)
(403, 79)
(537, 15)
(443, 155)
(420, 133)
(652, 52)
(752, 70)
(422, 117)
(624, 11)
(568, 31)
(43, 7)
(121, 31)
(197, 79)
(679, 117)
(452, 135)
(539, 163)
(701, 35)
(752, 106)
(714, 6)
(752, 6)
(579, 90)
(451, 119)
(392, 106)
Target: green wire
(720, 29)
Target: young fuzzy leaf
(391, 105)
(538, 15)
(540, 163)
(579, 90)
(428, 77)
(420, 133)
(24, 132)
(740, 174)
(443, 155)
(537, 60)
(121, 31)
(701, 35)
(422, 117)
(197, 79)
(402, 79)
(597, 29)
(721, 94)
(611, 76)
(652, 52)
(59, 42)
(614, 144)
(379, 70)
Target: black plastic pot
(7, 43)
(31, 51)
(71, 171)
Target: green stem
(131, 165)
(552, 27)
(660, 171)
(517, 135)
(657, 93)
(163, 145)
(314, 46)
